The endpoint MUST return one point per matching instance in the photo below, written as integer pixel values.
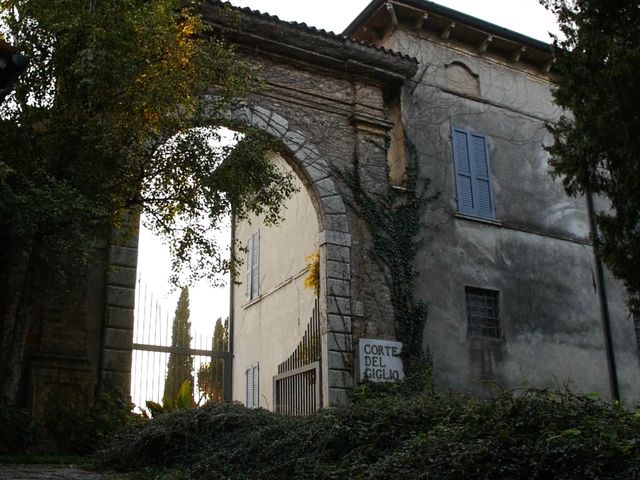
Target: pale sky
(524, 16)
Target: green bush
(390, 434)
(83, 432)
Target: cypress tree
(180, 366)
(211, 375)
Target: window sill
(252, 302)
(489, 221)
(282, 284)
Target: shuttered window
(252, 286)
(473, 173)
(252, 386)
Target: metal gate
(155, 352)
(298, 387)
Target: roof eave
(453, 15)
(267, 33)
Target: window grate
(483, 314)
(636, 323)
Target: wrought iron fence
(298, 386)
(154, 352)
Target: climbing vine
(393, 222)
(312, 280)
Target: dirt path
(49, 472)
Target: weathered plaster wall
(537, 253)
(268, 329)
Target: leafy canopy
(597, 146)
(113, 113)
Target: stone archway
(335, 244)
(335, 267)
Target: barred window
(483, 314)
(636, 322)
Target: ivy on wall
(393, 221)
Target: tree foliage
(111, 115)
(597, 146)
(180, 365)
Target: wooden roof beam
(446, 33)
(392, 13)
(547, 66)
(515, 56)
(485, 43)
(420, 21)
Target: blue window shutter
(463, 171)
(473, 175)
(480, 158)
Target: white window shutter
(255, 265)
(247, 286)
(256, 385)
(249, 384)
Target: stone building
(413, 99)
(516, 296)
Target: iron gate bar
(297, 371)
(297, 388)
(181, 351)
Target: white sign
(380, 360)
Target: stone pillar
(120, 289)
(335, 275)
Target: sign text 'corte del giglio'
(380, 360)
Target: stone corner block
(340, 360)
(338, 305)
(339, 323)
(325, 187)
(119, 317)
(123, 256)
(339, 396)
(339, 342)
(339, 270)
(336, 222)
(118, 338)
(116, 360)
(340, 379)
(294, 141)
(336, 238)
(278, 125)
(333, 204)
(260, 117)
(120, 297)
(339, 288)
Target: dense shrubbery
(531, 435)
(64, 429)
(83, 432)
